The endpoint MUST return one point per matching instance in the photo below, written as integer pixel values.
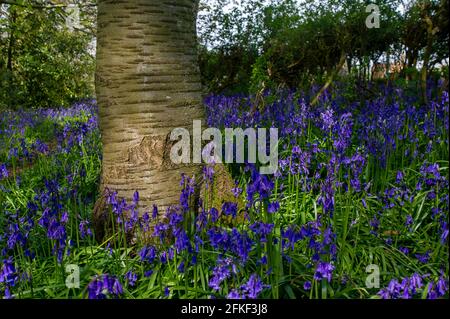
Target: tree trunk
(330, 78)
(147, 84)
(12, 22)
(9, 63)
(426, 59)
(349, 64)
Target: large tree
(147, 84)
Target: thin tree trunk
(329, 79)
(349, 65)
(147, 84)
(9, 63)
(426, 58)
(388, 65)
(11, 40)
(410, 63)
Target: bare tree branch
(49, 5)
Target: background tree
(294, 44)
(43, 62)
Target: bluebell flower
(324, 270)
(8, 274)
(229, 208)
(273, 207)
(136, 197)
(103, 286)
(290, 236)
(327, 119)
(160, 231)
(234, 294)
(214, 213)
(163, 257)
(155, 211)
(85, 230)
(253, 287)
(307, 285)
(131, 278)
(148, 254)
(415, 282)
(3, 172)
(259, 184)
(182, 241)
(364, 203)
(186, 192)
(208, 175)
(374, 224)
(220, 273)
(423, 258)
(181, 267)
(441, 287)
(399, 177)
(263, 260)
(148, 273)
(444, 232)
(7, 293)
(194, 259)
(236, 191)
(262, 230)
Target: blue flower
(415, 282)
(131, 278)
(84, 228)
(444, 232)
(327, 119)
(423, 258)
(273, 207)
(182, 241)
(324, 270)
(3, 172)
(229, 208)
(155, 211)
(148, 273)
(220, 273)
(307, 285)
(236, 191)
(208, 174)
(136, 197)
(8, 274)
(259, 184)
(163, 257)
(148, 254)
(103, 286)
(441, 286)
(214, 213)
(409, 220)
(234, 294)
(399, 177)
(262, 230)
(253, 287)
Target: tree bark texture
(147, 83)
